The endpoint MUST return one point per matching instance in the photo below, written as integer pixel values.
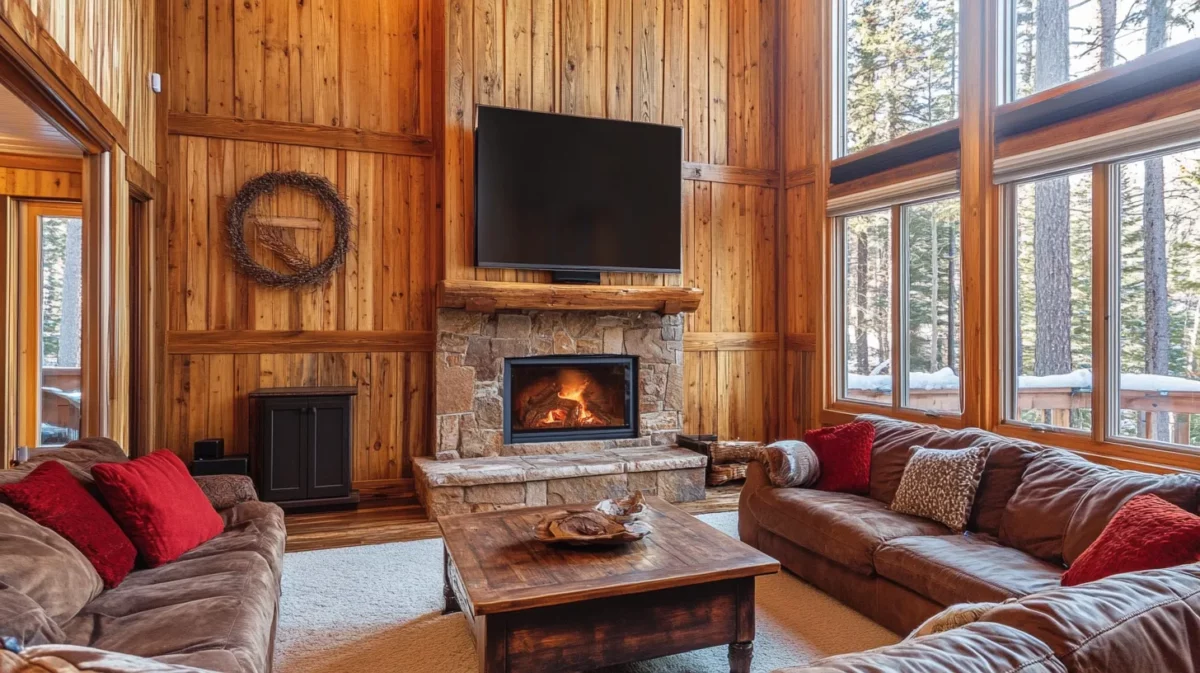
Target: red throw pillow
(1146, 533)
(54, 499)
(845, 455)
(159, 505)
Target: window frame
(898, 234)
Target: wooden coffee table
(533, 607)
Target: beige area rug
(377, 608)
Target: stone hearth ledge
(447, 487)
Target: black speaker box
(209, 449)
(227, 465)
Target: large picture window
(1051, 289)
(867, 304)
(1056, 41)
(899, 69)
(913, 359)
(1157, 229)
(932, 312)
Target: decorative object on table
(208, 449)
(609, 523)
(273, 238)
(727, 460)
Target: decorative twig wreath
(273, 238)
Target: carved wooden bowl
(610, 523)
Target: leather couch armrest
(789, 463)
(226, 490)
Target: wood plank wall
(709, 66)
(345, 89)
(806, 129)
(112, 45)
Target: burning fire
(573, 386)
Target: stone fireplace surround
(475, 471)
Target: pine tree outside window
(1053, 42)
(867, 307)
(1156, 235)
(1050, 281)
(899, 69)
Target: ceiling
(24, 131)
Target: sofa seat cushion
(839, 526)
(968, 568)
(220, 603)
(44, 566)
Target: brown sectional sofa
(215, 608)
(1036, 511)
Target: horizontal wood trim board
(1151, 74)
(1152, 109)
(730, 175)
(42, 163)
(195, 342)
(941, 163)
(490, 296)
(806, 341)
(142, 180)
(904, 150)
(730, 341)
(294, 133)
(801, 177)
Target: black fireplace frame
(630, 430)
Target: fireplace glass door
(569, 398)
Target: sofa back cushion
(25, 620)
(1145, 621)
(1007, 460)
(1065, 501)
(42, 565)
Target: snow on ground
(946, 379)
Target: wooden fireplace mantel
(489, 296)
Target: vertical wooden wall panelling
(369, 66)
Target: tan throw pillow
(952, 617)
(940, 484)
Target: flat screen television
(576, 194)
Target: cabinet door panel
(285, 452)
(329, 455)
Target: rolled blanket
(790, 463)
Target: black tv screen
(573, 193)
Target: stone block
(535, 493)
(646, 482)
(614, 340)
(681, 485)
(656, 459)
(673, 392)
(439, 510)
(444, 494)
(563, 343)
(648, 345)
(580, 324)
(447, 455)
(509, 348)
(459, 321)
(513, 326)
(496, 494)
(479, 356)
(587, 489)
(571, 465)
(672, 332)
(455, 389)
(659, 421)
(447, 439)
(449, 342)
(489, 409)
(589, 346)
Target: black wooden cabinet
(302, 456)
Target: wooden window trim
(1153, 73)
(903, 151)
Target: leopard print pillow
(941, 485)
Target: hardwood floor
(404, 519)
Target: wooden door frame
(41, 82)
(146, 334)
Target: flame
(573, 384)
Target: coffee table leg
(448, 591)
(740, 655)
